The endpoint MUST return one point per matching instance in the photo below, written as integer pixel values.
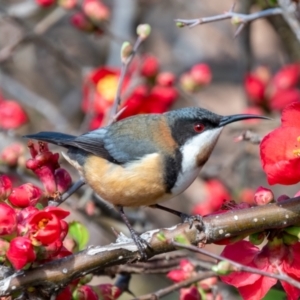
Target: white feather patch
(190, 151)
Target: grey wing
(126, 142)
(120, 142)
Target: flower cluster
(27, 233)
(273, 93)
(12, 115)
(155, 95)
(90, 17)
(201, 289)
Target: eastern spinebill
(145, 159)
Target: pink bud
(263, 196)
(10, 155)
(63, 180)
(8, 219)
(20, 252)
(96, 10)
(255, 88)
(12, 115)
(165, 78)
(5, 187)
(201, 74)
(25, 195)
(108, 291)
(149, 66)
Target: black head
(188, 122)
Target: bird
(145, 159)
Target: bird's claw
(141, 244)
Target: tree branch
(215, 227)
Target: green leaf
(275, 295)
(79, 234)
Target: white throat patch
(190, 150)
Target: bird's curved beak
(234, 118)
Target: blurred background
(52, 60)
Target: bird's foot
(141, 244)
(191, 219)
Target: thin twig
(237, 18)
(240, 267)
(124, 68)
(249, 136)
(176, 286)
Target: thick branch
(215, 227)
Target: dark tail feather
(56, 138)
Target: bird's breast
(139, 183)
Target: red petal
(258, 289)
(291, 115)
(292, 292)
(282, 98)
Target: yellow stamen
(107, 87)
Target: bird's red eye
(199, 127)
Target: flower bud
(96, 10)
(201, 74)
(45, 3)
(12, 115)
(8, 220)
(149, 66)
(187, 82)
(20, 252)
(25, 195)
(255, 88)
(5, 187)
(263, 196)
(65, 294)
(223, 268)
(63, 180)
(165, 78)
(126, 51)
(143, 31)
(11, 154)
(81, 22)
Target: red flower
(25, 195)
(8, 219)
(280, 149)
(190, 293)
(5, 187)
(201, 74)
(100, 89)
(217, 194)
(12, 115)
(150, 66)
(287, 77)
(20, 252)
(274, 257)
(11, 154)
(255, 88)
(282, 98)
(47, 226)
